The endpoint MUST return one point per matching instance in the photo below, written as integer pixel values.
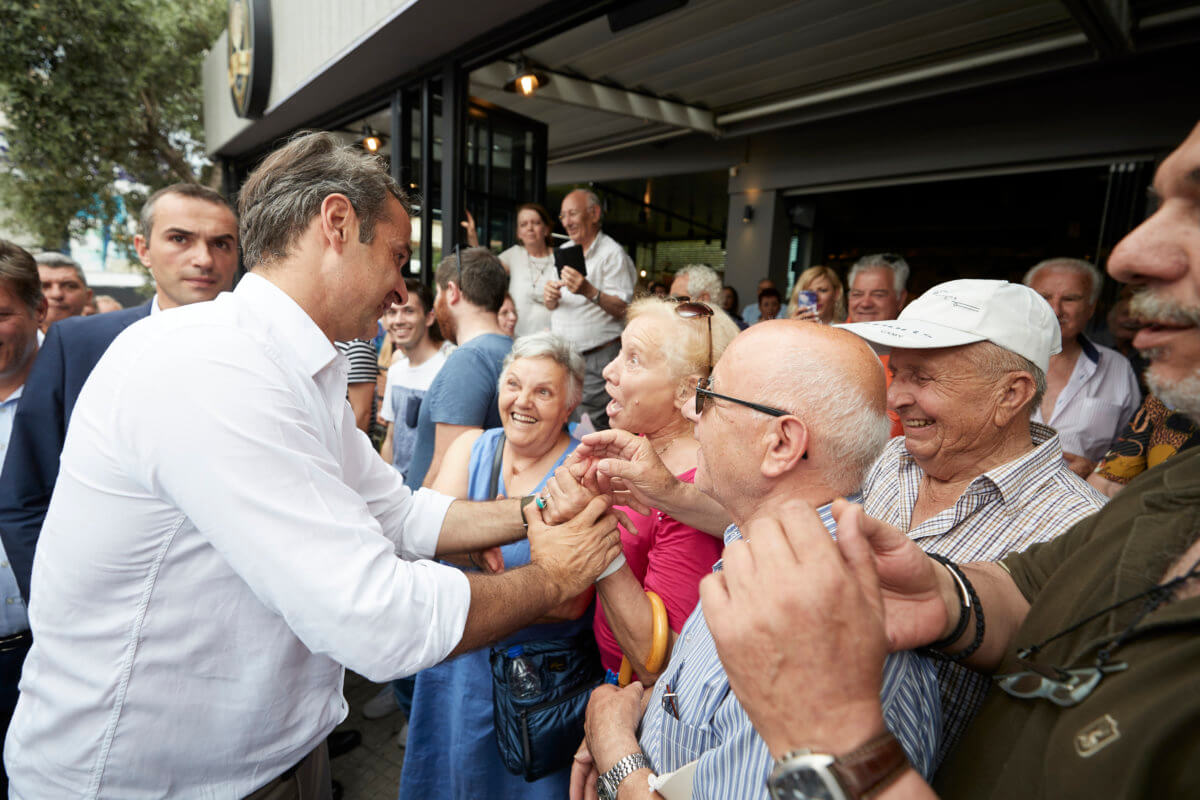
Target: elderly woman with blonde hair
(666, 350)
(831, 297)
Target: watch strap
(867, 770)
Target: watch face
(803, 783)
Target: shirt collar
(1089, 349)
(825, 512)
(1010, 479)
(290, 326)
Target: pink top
(669, 559)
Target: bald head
(830, 379)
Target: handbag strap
(494, 480)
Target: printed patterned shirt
(1033, 498)
(713, 727)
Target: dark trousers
(308, 780)
(13, 650)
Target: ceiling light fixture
(525, 79)
(371, 140)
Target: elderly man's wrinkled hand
(612, 719)
(551, 294)
(798, 624)
(628, 467)
(574, 553)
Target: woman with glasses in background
(666, 349)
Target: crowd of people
(593, 539)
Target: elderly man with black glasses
(792, 417)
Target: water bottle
(523, 679)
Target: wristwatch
(858, 775)
(608, 783)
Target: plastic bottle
(523, 679)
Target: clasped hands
(570, 279)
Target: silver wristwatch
(608, 783)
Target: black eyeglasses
(691, 310)
(702, 391)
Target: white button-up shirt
(221, 540)
(576, 318)
(1099, 398)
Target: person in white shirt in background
(1091, 390)
(233, 537)
(409, 377)
(589, 311)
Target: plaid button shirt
(1031, 499)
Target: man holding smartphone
(588, 307)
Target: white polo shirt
(582, 322)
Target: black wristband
(964, 611)
(974, 605)
(526, 500)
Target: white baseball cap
(955, 313)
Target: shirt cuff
(423, 525)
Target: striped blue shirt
(713, 727)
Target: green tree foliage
(96, 91)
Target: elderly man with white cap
(973, 478)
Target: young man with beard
(410, 376)
(471, 287)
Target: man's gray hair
(1076, 265)
(545, 344)
(593, 199)
(280, 198)
(702, 278)
(195, 191)
(57, 260)
(993, 362)
(845, 427)
(895, 263)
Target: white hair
(701, 279)
(847, 429)
(890, 261)
(1076, 265)
(545, 344)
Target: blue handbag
(539, 735)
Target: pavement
(370, 771)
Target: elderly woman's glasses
(691, 310)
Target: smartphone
(570, 257)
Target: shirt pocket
(683, 743)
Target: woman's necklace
(537, 272)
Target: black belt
(15, 641)
(600, 347)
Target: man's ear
(143, 250)
(430, 318)
(787, 444)
(1018, 389)
(338, 221)
(39, 316)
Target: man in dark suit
(188, 241)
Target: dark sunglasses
(691, 310)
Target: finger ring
(541, 503)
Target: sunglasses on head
(688, 309)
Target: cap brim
(912, 334)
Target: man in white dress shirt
(222, 539)
(589, 310)
(1091, 390)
